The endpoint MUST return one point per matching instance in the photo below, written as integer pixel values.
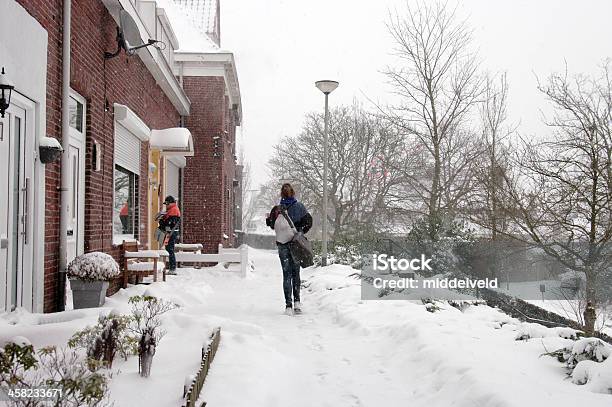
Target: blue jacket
(297, 213)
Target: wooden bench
(140, 263)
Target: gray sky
(283, 46)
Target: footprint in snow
(354, 400)
(316, 346)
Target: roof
(191, 23)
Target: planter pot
(49, 154)
(88, 294)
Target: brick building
(139, 127)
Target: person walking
(281, 218)
(169, 224)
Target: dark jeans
(291, 274)
(170, 250)
(124, 223)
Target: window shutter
(127, 149)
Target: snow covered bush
(108, 337)
(95, 266)
(448, 242)
(528, 330)
(587, 349)
(430, 305)
(146, 324)
(51, 368)
(597, 376)
(590, 363)
(340, 251)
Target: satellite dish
(128, 36)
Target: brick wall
(207, 210)
(102, 83)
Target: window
(127, 148)
(75, 109)
(125, 206)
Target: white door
(16, 204)
(5, 194)
(76, 156)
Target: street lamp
(326, 87)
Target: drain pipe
(181, 170)
(65, 173)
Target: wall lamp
(5, 97)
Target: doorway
(76, 156)
(16, 204)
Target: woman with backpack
(287, 218)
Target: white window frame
(130, 121)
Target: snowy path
(342, 352)
(304, 360)
(352, 353)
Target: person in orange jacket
(124, 213)
(169, 223)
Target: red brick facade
(208, 196)
(123, 80)
(208, 179)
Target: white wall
(23, 54)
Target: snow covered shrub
(95, 266)
(51, 368)
(528, 330)
(340, 251)
(430, 305)
(587, 349)
(447, 242)
(590, 363)
(109, 336)
(146, 324)
(583, 350)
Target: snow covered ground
(341, 352)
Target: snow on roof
(175, 140)
(191, 34)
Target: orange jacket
(124, 210)
(172, 210)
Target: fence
(225, 255)
(208, 354)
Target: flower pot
(88, 294)
(49, 154)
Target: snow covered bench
(141, 263)
(225, 255)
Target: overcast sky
(283, 46)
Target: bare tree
(495, 159)
(362, 150)
(438, 83)
(561, 194)
(248, 196)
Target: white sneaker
(297, 307)
(288, 311)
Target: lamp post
(326, 87)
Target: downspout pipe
(181, 170)
(65, 163)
